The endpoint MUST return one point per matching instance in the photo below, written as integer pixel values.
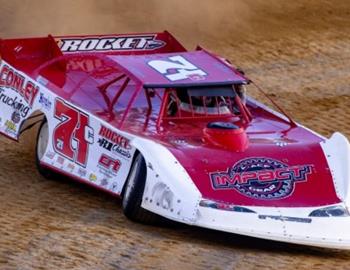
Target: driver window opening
(205, 102)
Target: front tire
(42, 141)
(133, 193)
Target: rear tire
(133, 193)
(42, 140)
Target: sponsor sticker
(112, 43)
(45, 102)
(50, 155)
(114, 186)
(108, 166)
(92, 177)
(104, 182)
(10, 127)
(71, 167)
(15, 103)
(261, 178)
(82, 172)
(114, 142)
(14, 80)
(16, 117)
(60, 160)
(84, 64)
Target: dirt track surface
(298, 50)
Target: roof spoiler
(115, 44)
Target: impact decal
(114, 142)
(12, 79)
(261, 178)
(119, 43)
(72, 136)
(177, 68)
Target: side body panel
(80, 145)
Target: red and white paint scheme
(173, 133)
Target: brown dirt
(299, 50)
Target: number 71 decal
(177, 68)
(72, 136)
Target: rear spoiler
(27, 54)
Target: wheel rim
(43, 140)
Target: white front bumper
(280, 224)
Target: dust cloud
(191, 20)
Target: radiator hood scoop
(226, 135)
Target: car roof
(180, 69)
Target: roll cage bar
(124, 77)
(127, 77)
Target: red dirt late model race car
(174, 134)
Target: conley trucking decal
(14, 80)
(261, 178)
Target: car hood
(275, 173)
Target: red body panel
(269, 138)
(291, 156)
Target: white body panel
(337, 152)
(332, 232)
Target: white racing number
(177, 68)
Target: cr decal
(108, 166)
(72, 136)
(261, 178)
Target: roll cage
(111, 82)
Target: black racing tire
(133, 192)
(40, 149)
